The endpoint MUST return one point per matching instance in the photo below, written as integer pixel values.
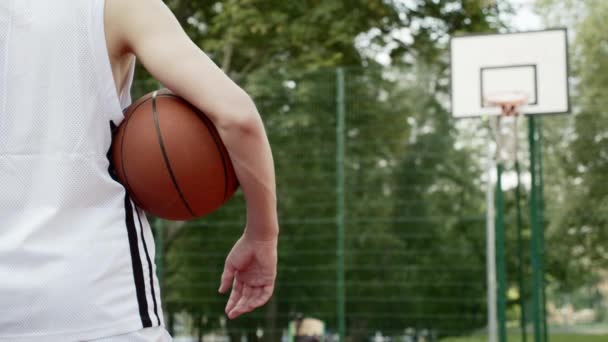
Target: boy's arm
(148, 29)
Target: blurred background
(381, 193)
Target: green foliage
(264, 37)
(252, 36)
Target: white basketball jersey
(76, 256)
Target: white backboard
(535, 63)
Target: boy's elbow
(240, 114)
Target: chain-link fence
(383, 215)
(379, 208)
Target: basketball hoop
(509, 102)
(505, 130)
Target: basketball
(170, 158)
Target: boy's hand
(251, 269)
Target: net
(510, 103)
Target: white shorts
(155, 334)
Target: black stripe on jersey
(143, 240)
(138, 273)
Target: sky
(525, 18)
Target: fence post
(541, 224)
(520, 255)
(340, 207)
(536, 235)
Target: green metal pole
(535, 234)
(501, 271)
(340, 207)
(520, 255)
(541, 225)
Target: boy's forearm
(252, 159)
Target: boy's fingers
(239, 308)
(227, 277)
(235, 296)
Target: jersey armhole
(125, 92)
(101, 61)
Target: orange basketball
(170, 158)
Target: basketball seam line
(216, 140)
(166, 157)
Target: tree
(252, 36)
